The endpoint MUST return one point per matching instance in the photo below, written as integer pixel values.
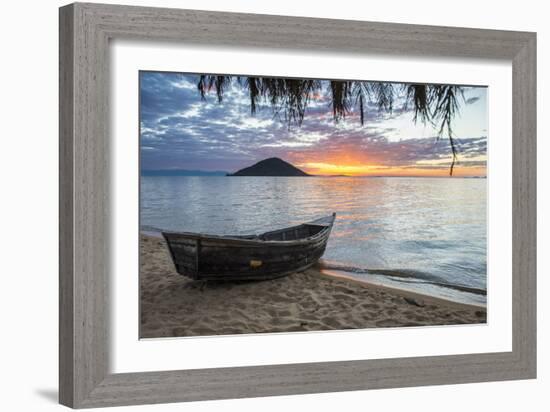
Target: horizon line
(224, 173)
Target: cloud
(180, 130)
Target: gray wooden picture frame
(85, 31)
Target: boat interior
(293, 233)
(302, 231)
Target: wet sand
(173, 305)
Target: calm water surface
(423, 234)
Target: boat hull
(249, 257)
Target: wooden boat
(265, 256)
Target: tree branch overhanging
(436, 105)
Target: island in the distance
(270, 167)
(182, 172)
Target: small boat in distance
(250, 257)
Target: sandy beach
(173, 305)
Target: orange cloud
(380, 170)
(380, 158)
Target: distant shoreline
(276, 167)
(216, 174)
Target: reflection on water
(432, 230)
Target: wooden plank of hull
(250, 257)
(184, 254)
(239, 266)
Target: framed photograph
(257, 205)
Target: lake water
(422, 234)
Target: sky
(179, 130)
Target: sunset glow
(180, 131)
(327, 169)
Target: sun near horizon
(358, 170)
(357, 164)
(180, 130)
